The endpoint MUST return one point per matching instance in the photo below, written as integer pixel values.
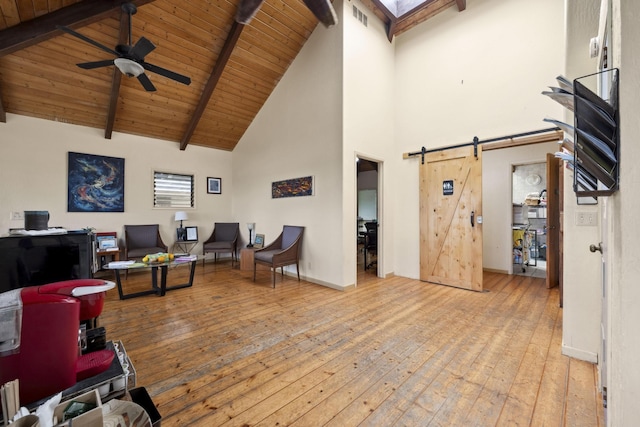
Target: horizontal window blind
(172, 190)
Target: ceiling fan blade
(166, 73)
(247, 9)
(87, 39)
(146, 83)
(95, 64)
(142, 48)
(323, 10)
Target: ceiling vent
(357, 13)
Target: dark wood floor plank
(521, 398)
(396, 351)
(551, 400)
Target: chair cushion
(226, 230)
(289, 235)
(212, 246)
(265, 256)
(142, 235)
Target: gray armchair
(140, 240)
(223, 239)
(285, 250)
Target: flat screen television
(38, 260)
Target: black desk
(370, 242)
(155, 289)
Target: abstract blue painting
(95, 183)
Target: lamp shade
(251, 226)
(181, 216)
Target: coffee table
(161, 290)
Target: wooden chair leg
(298, 270)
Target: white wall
(473, 73)
(33, 173)
(368, 111)
(624, 298)
(297, 133)
(582, 271)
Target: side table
(246, 260)
(185, 246)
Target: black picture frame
(214, 185)
(191, 234)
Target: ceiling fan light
(128, 67)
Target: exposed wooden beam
(221, 63)
(391, 28)
(117, 78)
(462, 5)
(77, 15)
(3, 114)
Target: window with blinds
(172, 190)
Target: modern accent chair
(285, 250)
(140, 240)
(223, 239)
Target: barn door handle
(472, 218)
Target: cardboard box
(90, 418)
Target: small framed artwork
(214, 185)
(259, 243)
(192, 234)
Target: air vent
(357, 13)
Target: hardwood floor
(397, 351)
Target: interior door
(553, 221)
(450, 205)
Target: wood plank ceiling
(233, 67)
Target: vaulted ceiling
(233, 67)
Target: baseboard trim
(320, 282)
(579, 354)
(495, 270)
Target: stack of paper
(116, 264)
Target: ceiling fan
(129, 58)
(322, 9)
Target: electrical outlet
(586, 219)
(16, 216)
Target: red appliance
(48, 356)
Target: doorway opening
(367, 222)
(529, 219)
